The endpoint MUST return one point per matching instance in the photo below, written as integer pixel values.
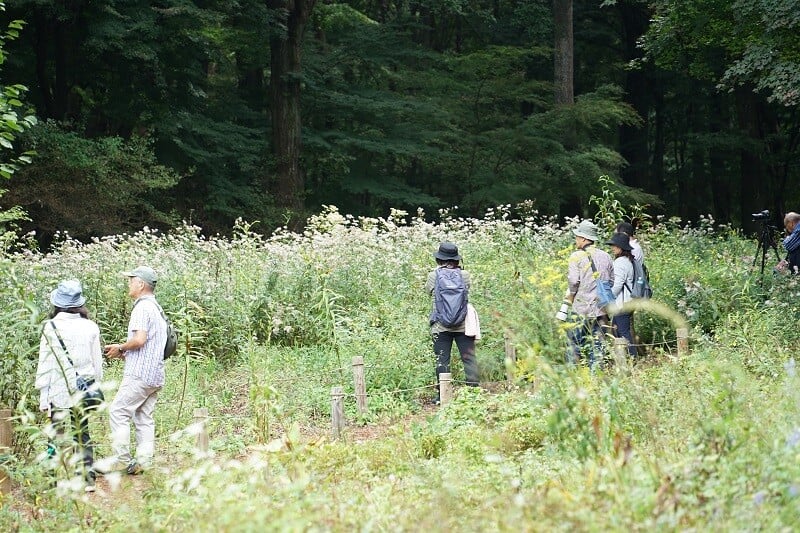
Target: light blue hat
(68, 294)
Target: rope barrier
(202, 434)
(273, 380)
(396, 391)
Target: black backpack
(450, 298)
(172, 334)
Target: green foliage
(15, 120)
(771, 50)
(19, 347)
(105, 185)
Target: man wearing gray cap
(143, 376)
(587, 266)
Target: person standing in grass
(69, 348)
(587, 265)
(636, 252)
(791, 243)
(449, 285)
(623, 282)
(636, 249)
(142, 379)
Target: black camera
(763, 215)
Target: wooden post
(621, 354)
(6, 440)
(511, 357)
(359, 384)
(683, 341)
(6, 431)
(445, 388)
(201, 418)
(337, 412)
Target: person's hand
(114, 351)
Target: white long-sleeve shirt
(55, 376)
(623, 280)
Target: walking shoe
(110, 465)
(90, 486)
(134, 468)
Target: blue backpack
(450, 298)
(603, 291)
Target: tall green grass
(270, 324)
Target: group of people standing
(71, 363)
(590, 265)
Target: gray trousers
(134, 401)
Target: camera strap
(589, 255)
(64, 347)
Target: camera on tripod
(766, 238)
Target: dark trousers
(588, 330)
(76, 422)
(443, 345)
(794, 261)
(623, 329)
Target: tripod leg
(777, 254)
(758, 251)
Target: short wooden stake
(511, 357)
(683, 341)
(6, 431)
(445, 388)
(6, 440)
(621, 354)
(201, 419)
(337, 412)
(359, 384)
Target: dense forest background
(209, 110)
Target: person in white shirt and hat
(69, 351)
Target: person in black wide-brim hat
(446, 320)
(621, 323)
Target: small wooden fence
(201, 415)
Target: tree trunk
(751, 168)
(633, 138)
(656, 183)
(720, 174)
(697, 201)
(563, 52)
(285, 80)
(43, 32)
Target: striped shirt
(147, 363)
(792, 241)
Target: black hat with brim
(621, 240)
(447, 252)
